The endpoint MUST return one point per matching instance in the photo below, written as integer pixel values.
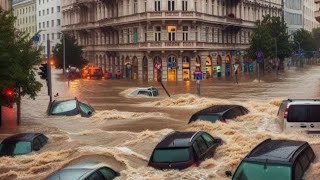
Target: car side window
(36, 144)
(309, 152)
(244, 110)
(107, 173)
(304, 161)
(196, 149)
(94, 176)
(298, 172)
(202, 145)
(208, 139)
(42, 139)
(142, 92)
(85, 108)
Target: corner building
(168, 39)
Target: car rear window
(210, 118)
(171, 155)
(15, 148)
(248, 171)
(304, 113)
(64, 107)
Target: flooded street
(124, 130)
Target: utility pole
(64, 54)
(277, 60)
(49, 82)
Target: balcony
(317, 15)
(317, 1)
(166, 45)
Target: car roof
(215, 109)
(301, 101)
(178, 139)
(276, 151)
(21, 137)
(75, 171)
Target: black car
(219, 113)
(276, 160)
(180, 150)
(21, 144)
(70, 107)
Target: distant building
(293, 15)
(49, 22)
(309, 15)
(168, 39)
(317, 10)
(25, 11)
(6, 4)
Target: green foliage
(73, 53)
(270, 34)
(316, 36)
(305, 39)
(17, 59)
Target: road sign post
(49, 82)
(260, 58)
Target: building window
(39, 25)
(47, 11)
(43, 12)
(135, 35)
(43, 37)
(213, 40)
(157, 5)
(145, 5)
(39, 1)
(52, 23)
(128, 36)
(171, 4)
(212, 7)
(58, 22)
(43, 24)
(172, 33)
(52, 10)
(48, 24)
(195, 5)
(223, 8)
(58, 8)
(52, 36)
(218, 8)
(135, 6)
(58, 35)
(185, 33)
(207, 7)
(48, 38)
(184, 5)
(145, 34)
(206, 34)
(39, 13)
(157, 34)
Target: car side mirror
(89, 113)
(217, 141)
(228, 173)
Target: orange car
(92, 72)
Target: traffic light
(7, 97)
(44, 71)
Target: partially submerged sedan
(219, 113)
(151, 92)
(21, 144)
(85, 171)
(70, 107)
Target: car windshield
(64, 106)
(248, 171)
(15, 148)
(304, 113)
(171, 155)
(208, 117)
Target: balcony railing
(163, 15)
(172, 45)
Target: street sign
(36, 38)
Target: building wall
(25, 11)
(123, 35)
(5, 4)
(309, 16)
(293, 14)
(49, 22)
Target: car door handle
(303, 126)
(312, 125)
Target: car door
(36, 145)
(86, 110)
(203, 148)
(211, 142)
(108, 173)
(43, 140)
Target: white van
(302, 114)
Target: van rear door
(314, 117)
(306, 117)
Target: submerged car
(180, 150)
(275, 160)
(219, 113)
(151, 91)
(70, 107)
(85, 171)
(21, 144)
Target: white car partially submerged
(150, 91)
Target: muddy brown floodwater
(124, 130)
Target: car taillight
(286, 113)
(194, 164)
(223, 121)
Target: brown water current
(124, 130)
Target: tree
(304, 40)
(73, 53)
(17, 61)
(316, 36)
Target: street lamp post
(64, 53)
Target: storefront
(219, 65)
(157, 69)
(228, 66)
(209, 68)
(127, 68)
(172, 68)
(186, 72)
(145, 69)
(135, 69)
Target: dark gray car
(70, 107)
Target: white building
(309, 15)
(49, 21)
(293, 15)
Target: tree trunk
(19, 107)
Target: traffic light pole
(49, 82)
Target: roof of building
(276, 151)
(178, 139)
(21, 137)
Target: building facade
(25, 11)
(170, 40)
(6, 4)
(294, 15)
(309, 15)
(49, 22)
